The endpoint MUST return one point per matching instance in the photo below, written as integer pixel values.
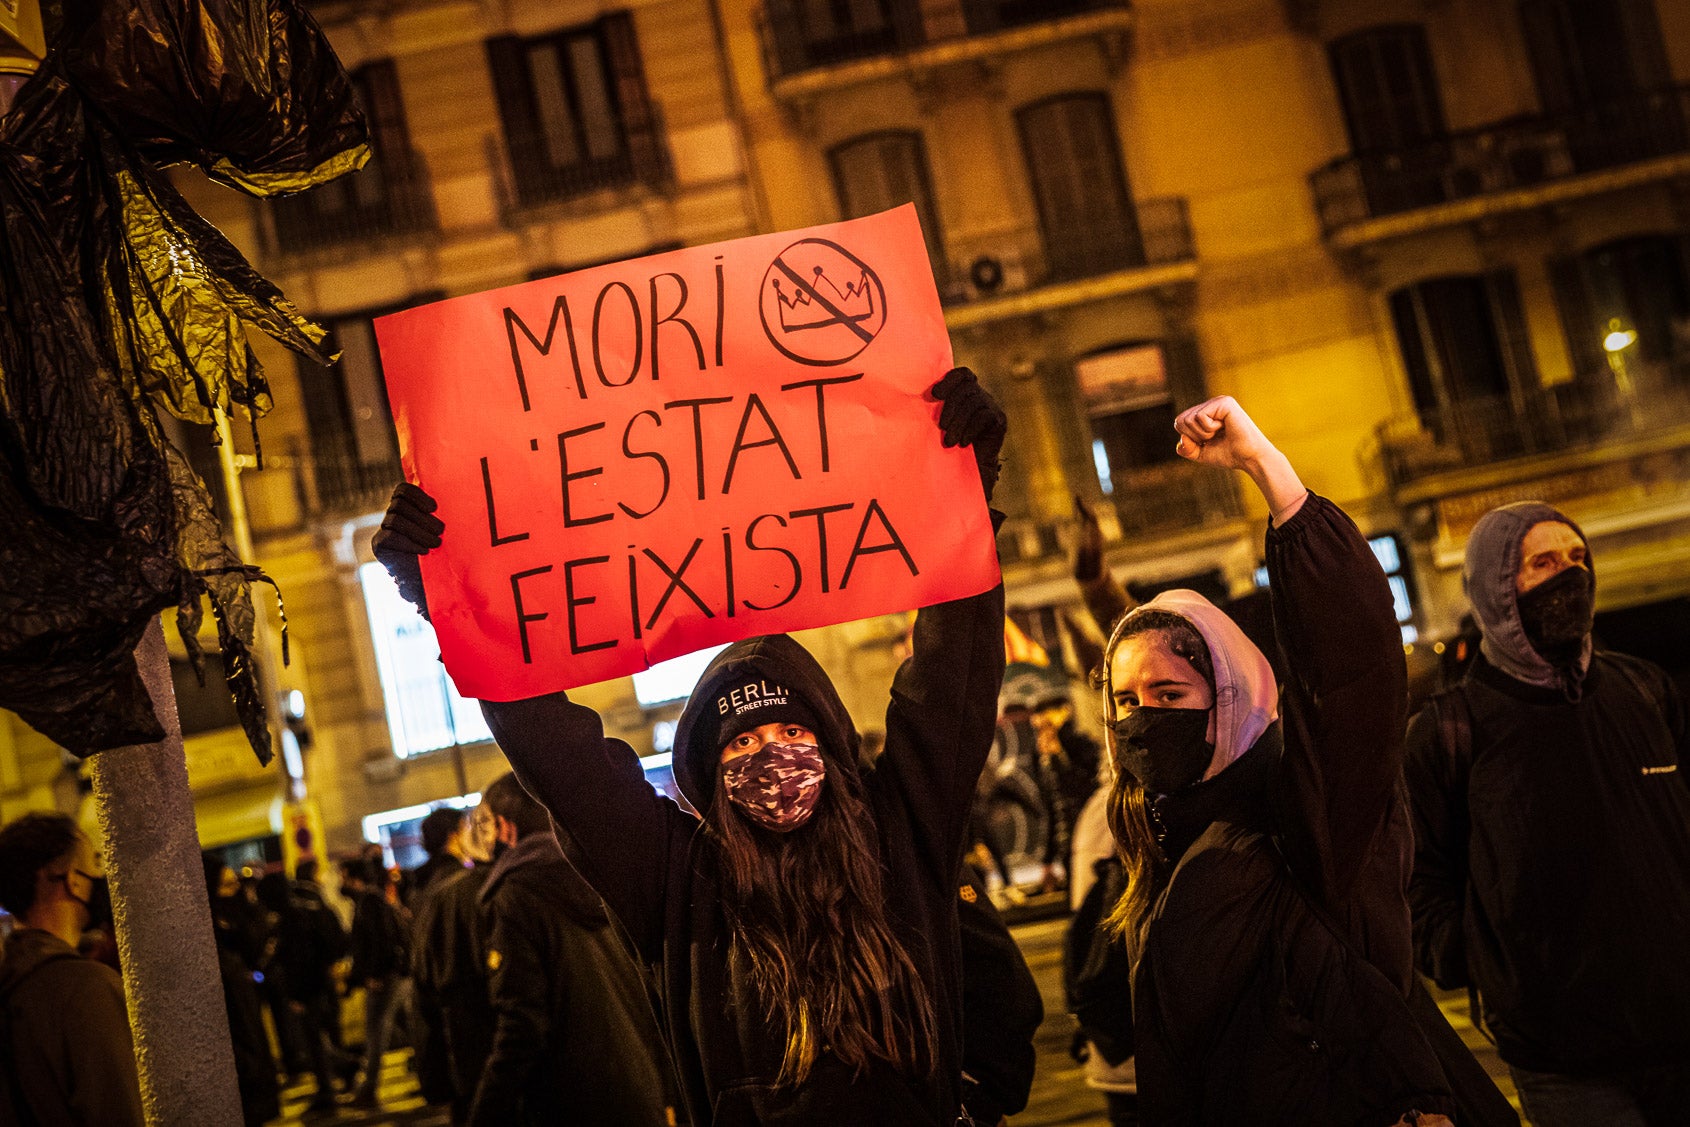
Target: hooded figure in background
(1552, 838)
(1264, 841)
(802, 917)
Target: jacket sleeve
(521, 987)
(104, 1084)
(1001, 1008)
(943, 714)
(1346, 691)
(1437, 892)
(615, 827)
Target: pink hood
(1246, 697)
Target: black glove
(971, 417)
(409, 530)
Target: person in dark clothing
(1552, 838)
(577, 1040)
(1001, 1010)
(242, 944)
(1265, 861)
(443, 841)
(806, 928)
(379, 958)
(296, 977)
(449, 967)
(66, 1055)
(314, 979)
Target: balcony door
(1627, 303)
(1393, 114)
(1080, 183)
(1602, 73)
(1469, 365)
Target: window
(1602, 74)
(812, 33)
(1639, 286)
(1085, 209)
(389, 195)
(354, 452)
(424, 711)
(1126, 397)
(1385, 82)
(886, 170)
(1463, 340)
(575, 111)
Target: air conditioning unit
(994, 272)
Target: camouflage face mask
(778, 785)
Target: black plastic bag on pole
(117, 302)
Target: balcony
(1173, 497)
(390, 197)
(1543, 156)
(1135, 253)
(811, 45)
(340, 484)
(1584, 415)
(528, 179)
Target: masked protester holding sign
(804, 926)
(1266, 856)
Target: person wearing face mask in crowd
(1552, 838)
(1265, 853)
(66, 1056)
(804, 920)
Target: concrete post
(163, 914)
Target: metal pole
(163, 915)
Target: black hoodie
(648, 859)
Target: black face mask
(1165, 749)
(1558, 613)
(98, 903)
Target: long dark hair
(1128, 809)
(808, 918)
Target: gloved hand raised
(409, 530)
(971, 417)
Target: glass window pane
(592, 92)
(424, 710)
(551, 100)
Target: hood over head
(1246, 696)
(1489, 576)
(770, 675)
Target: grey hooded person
(1552, 838)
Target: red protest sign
(643, 459)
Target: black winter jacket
(1272, 980)
(378, 940)
(576, 1040)
(1001, 1009)
(648, 859)
(1552, 868)
(449, 968)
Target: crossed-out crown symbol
(807, 307)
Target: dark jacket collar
(1238, 795)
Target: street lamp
(1618, 339)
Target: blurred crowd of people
(1265, 845)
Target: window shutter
(639, 118)
(508, 62)
(1578, 317)
(1510, 319)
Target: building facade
(1440, 250)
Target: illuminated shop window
(424, 711)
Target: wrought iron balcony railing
(801, 35)
(1173, 497)
(390, 196)
(527, 177)
(1582, 414)
(1517, 153)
